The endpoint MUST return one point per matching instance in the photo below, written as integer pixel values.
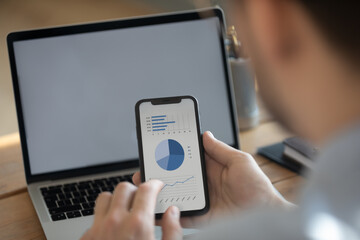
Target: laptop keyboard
(77, 199)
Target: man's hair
(339, 21)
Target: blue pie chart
(169, 154)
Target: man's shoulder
(271, 224)
(333, 187)
(341, 155)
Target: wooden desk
(18, 219)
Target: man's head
(306, 55)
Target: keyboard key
(114, 183)
(87, 212)
(85, 205)
(76, 194)
(74, 214)
(91, 204)
(51, 199)
(84, 187)
(82, 200)
(82, 193)
(61, 196)
(64, 209)
(57, 217)
(64, 203)
(99, 182)
(121, 178)
(91, 198)
(88, 186)
(93, 191)
(128, 178)
(68, 185)
(51, 192)
(51, 204)
(98, 185)
(107, 189)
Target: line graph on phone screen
(178, 189)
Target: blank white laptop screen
(78, 91)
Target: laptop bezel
(103, 26)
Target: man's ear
(273, 27)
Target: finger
(122, 197)
(102, 205)
(213, 168)
(218, 150)
(171, 227)
(145, 197)
(214, 173)
(136, 178)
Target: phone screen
(171, 152)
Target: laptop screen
(78, 91)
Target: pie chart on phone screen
(169, 154)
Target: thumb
(217, 150)
(136, 178)
(170, 223)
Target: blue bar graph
(157, 123)
(159, 116)
(167, 122)
(159, 126)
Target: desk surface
(18, 219)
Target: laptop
(76, 87)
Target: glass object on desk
(244, 83)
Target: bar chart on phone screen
(168, 123)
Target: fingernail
(175, 211)
(210, 134)
(161, 183)
(157, 182)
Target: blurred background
(24, 14)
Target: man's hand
(128, 213)
(235, 182)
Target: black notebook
(275, 152)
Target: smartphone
(171, 150)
